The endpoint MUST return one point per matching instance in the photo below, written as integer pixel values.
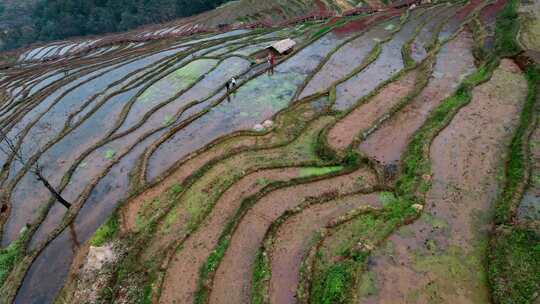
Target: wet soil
(429, 32)
(454, 61)
(388, 63)
(255, 101)
(294, 239)
(439, 258)
(233, 276)
(488, 16)
(349, 57)
(183, 271)
(529, 208)
(364, 116)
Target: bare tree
(8, 147)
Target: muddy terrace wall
(147, 136)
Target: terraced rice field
(392, 157)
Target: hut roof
(283, 46)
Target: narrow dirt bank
(364, 116)
(293, 240)
(439, 258)
(233, 276)
(454, 62)
(182, 272)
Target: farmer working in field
(271, 62)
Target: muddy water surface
(349, 57)
(388, 63)
(257, 100)
(453, 62)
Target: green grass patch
(335, 285)
(516, 165)
(109, 154)
(318, 171)
(11, 255)
(261, 273)
(106, 232)
(506, 30)
(514, 269)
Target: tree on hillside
(60, 19)
(8, 147)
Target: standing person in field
(271, 61)
(228, 87)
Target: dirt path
(363, 117)
(233, 276)
(293, 240)
(454, 61)
(182, 272)
(439, 258)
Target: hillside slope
(390, 157)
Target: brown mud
(364, 116)
(233, 276)
(440, 257)
(293, 241)
(454, 61)
(183, 270)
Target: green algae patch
(318, 171)
(176, 81)
(168, 120)
(109, 154)
(192, 71)
(264, 93)
(106, 232)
